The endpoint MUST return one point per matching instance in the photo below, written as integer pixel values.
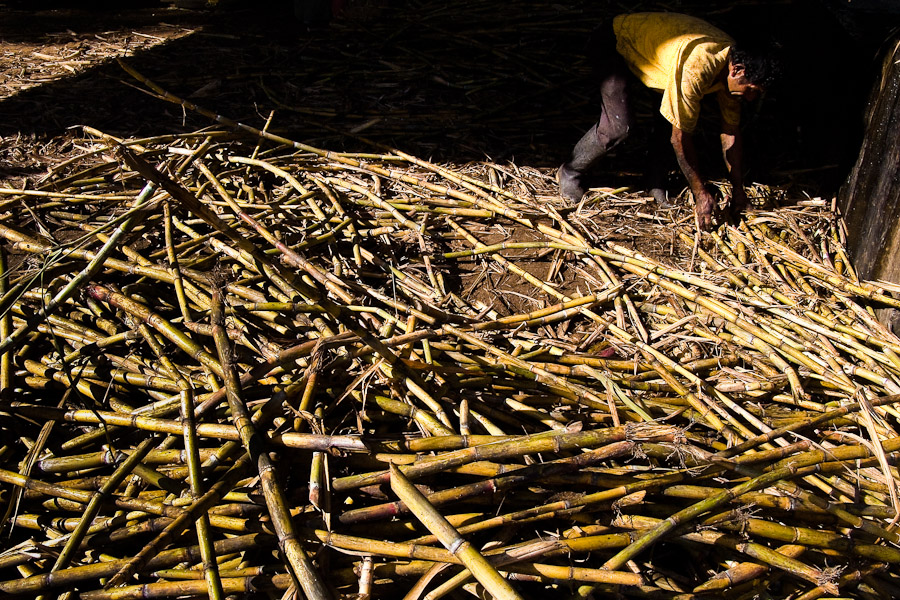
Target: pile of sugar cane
(232, 366)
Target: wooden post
(870, 198)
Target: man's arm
(683, 144)
(732, 149)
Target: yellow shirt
(681, 56)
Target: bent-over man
(686, 59)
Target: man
(685, 58)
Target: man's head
(752, 71)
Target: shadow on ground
(502, 81)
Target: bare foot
(571, 186)
(661, 197)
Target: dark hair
(762, 66)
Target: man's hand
(704, 201)
(704, 205)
